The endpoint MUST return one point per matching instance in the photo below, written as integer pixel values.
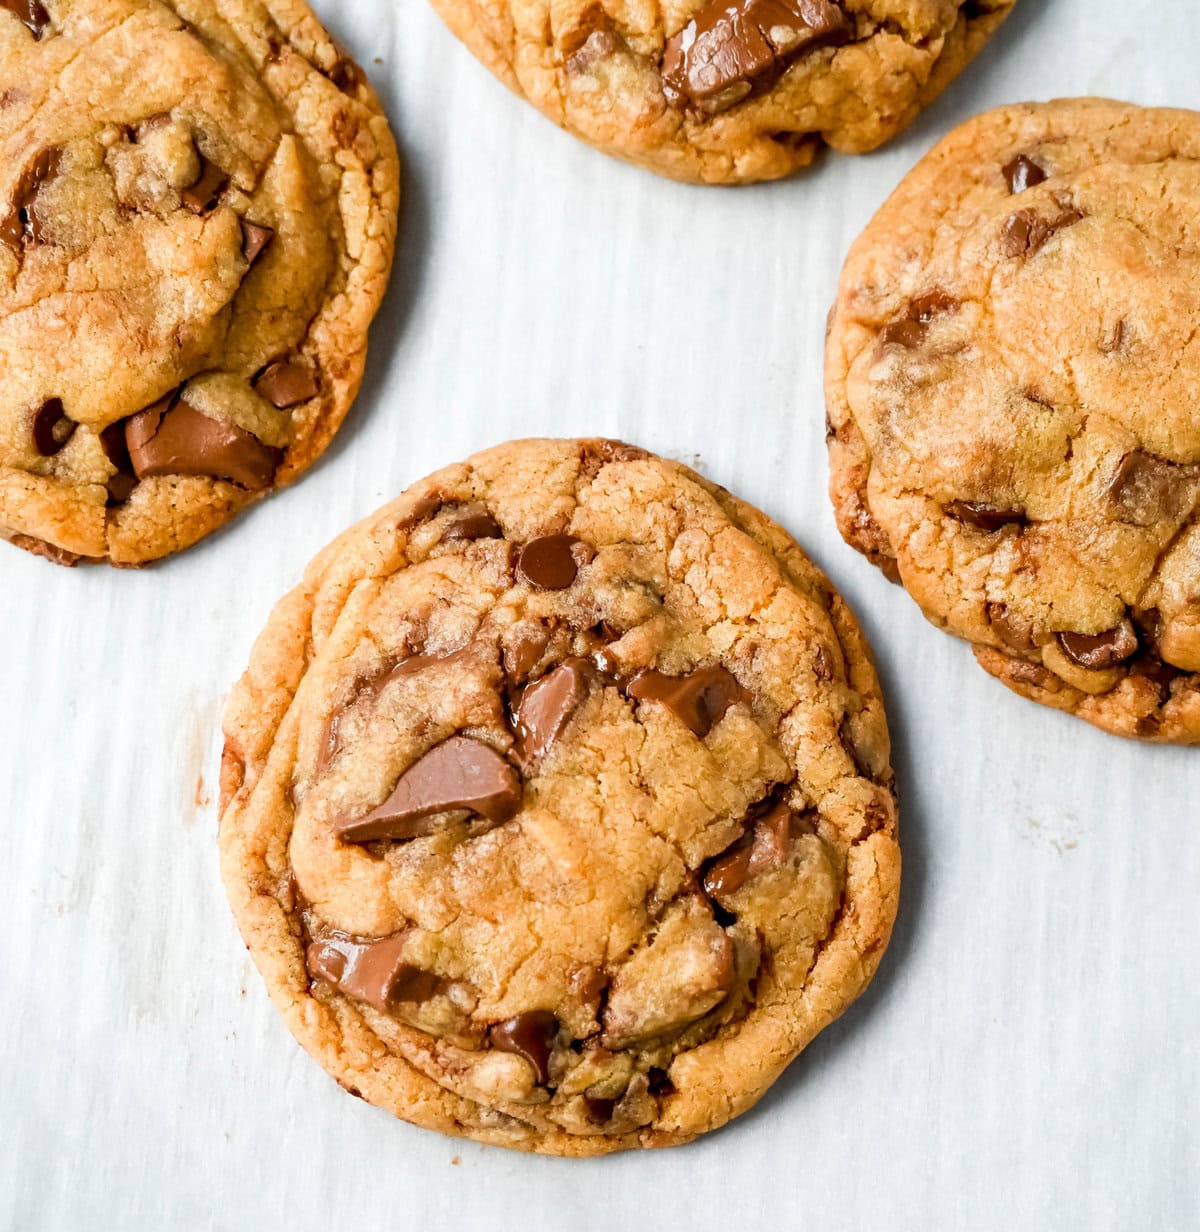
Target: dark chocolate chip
(173, 438)
(32, 13)
(255, 239)
(530, 1035)
(286, 383)
(700, 699)
(1100, 650)
(371, 970)
(52, 429)
(1023, 173)
(733, 46)
(460, 773)
(474, 522)
(545, 709)
(549, 563)
(203, 195)
(985, 517)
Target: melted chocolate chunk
(521, 657)
(545, 709)
(460, 773)
(530, 1035)
(474, 522)
(733, 46)
(985, 517)
(910, 330)
(1148, 488)
(1100, 650)
(371, 969)
(549, 563)
(700, 699)
(764, 847)
(24, 222)
(173, 438)
(52, 429)
(1023, 173)
(1026, 231)
(31, 13)
(202, 197)
(255, 239)
(285, 384)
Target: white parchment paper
(1028, 1057)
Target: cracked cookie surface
(556, 805)
(1013, 390)
(726, 91)
(197, 218)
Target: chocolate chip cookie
(197, 217)
(726, 91)
(1013, 383)
(556, 803)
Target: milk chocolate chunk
(1023, 173)
(285, 384)
(985, 517)
(1147, 488)
(24, 220)
(545, 709)
(764, 847)
(731, 46)
(255, 239)
(460, 773)
(203, 195)
(549, 562)
(521, 657)
(32, 13)
(173, 438)
(1100, 650)
(1026, 231)
(474, 522)
(371, 969)
(700, 699)
(910, 330)
(52, 429)
(530, 1035)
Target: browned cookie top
(726, 91)
(1014, 402)
(556, 803)
(197, 213)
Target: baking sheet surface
(1027, 1057)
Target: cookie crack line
(577, 1024)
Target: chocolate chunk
(32, 13)
(255, 239)
(522, 656)
(599, 1110)
(24, 221)
(203, 195)
(1101, 650)
(285, 384)
(1026, 231)
(112, 441)
(371, 969)
(764, 847)
(1148, 488)
(985, 517)
(51, 428)
(598, 46)
(546, 708)
(530, 1035)
(700, 699)
(474, 522)
(549, 563)
(910, 330)
(460, 773)
(1011, 630)
(1023, 173)
(732, 46)
(1150, 667)
(173, 438)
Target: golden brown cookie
(197, 217)
(556, 803)
(1013, 386)
(726, 91)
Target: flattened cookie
(726, 91)
(556, 803)
(197, 216)
(1013, 381)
